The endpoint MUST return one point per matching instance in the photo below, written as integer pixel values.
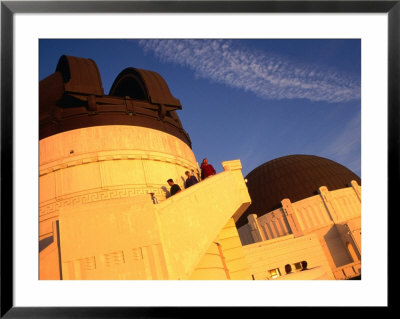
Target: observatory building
(102, 158)
(303, 207)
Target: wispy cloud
(266, 75)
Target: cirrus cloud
(266, 75)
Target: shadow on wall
(45, 242)
(348, 238)
(336, 247)
(166, 191)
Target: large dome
(295, 177)
(73, 97)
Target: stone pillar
(324, 192)
(356, 188)
(235, 167)
(232, 165)
(291, 217)
(255, 228)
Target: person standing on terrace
(207, 170)
(191, 179)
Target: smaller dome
(295, 177)
(144, 85)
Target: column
(356, 188)
(324, 192)
(256, 231)
(291, 217)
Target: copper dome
(73, 97)
(295, 177)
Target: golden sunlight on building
(100, 158)
(103, 156)
(304, 208)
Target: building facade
(101, 157)
(322, 229)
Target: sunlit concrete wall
(132, 238)
(111, 239)
(228, 250)
(263, 257)
(97, 163)
(233, 252)
(333, 216)
(195, 218)
(105, 162)
(97, 220)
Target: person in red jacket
(206, 169)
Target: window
(274, 273)
(297, 266)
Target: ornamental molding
(71, 162)
(50, 209)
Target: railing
(348, 271)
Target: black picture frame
(9, 8)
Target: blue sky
(253, 99)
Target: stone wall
(99, 163)
(334, 217)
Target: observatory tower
(100, 158)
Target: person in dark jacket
(191, 179)
(207, 170)
(174, 187)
